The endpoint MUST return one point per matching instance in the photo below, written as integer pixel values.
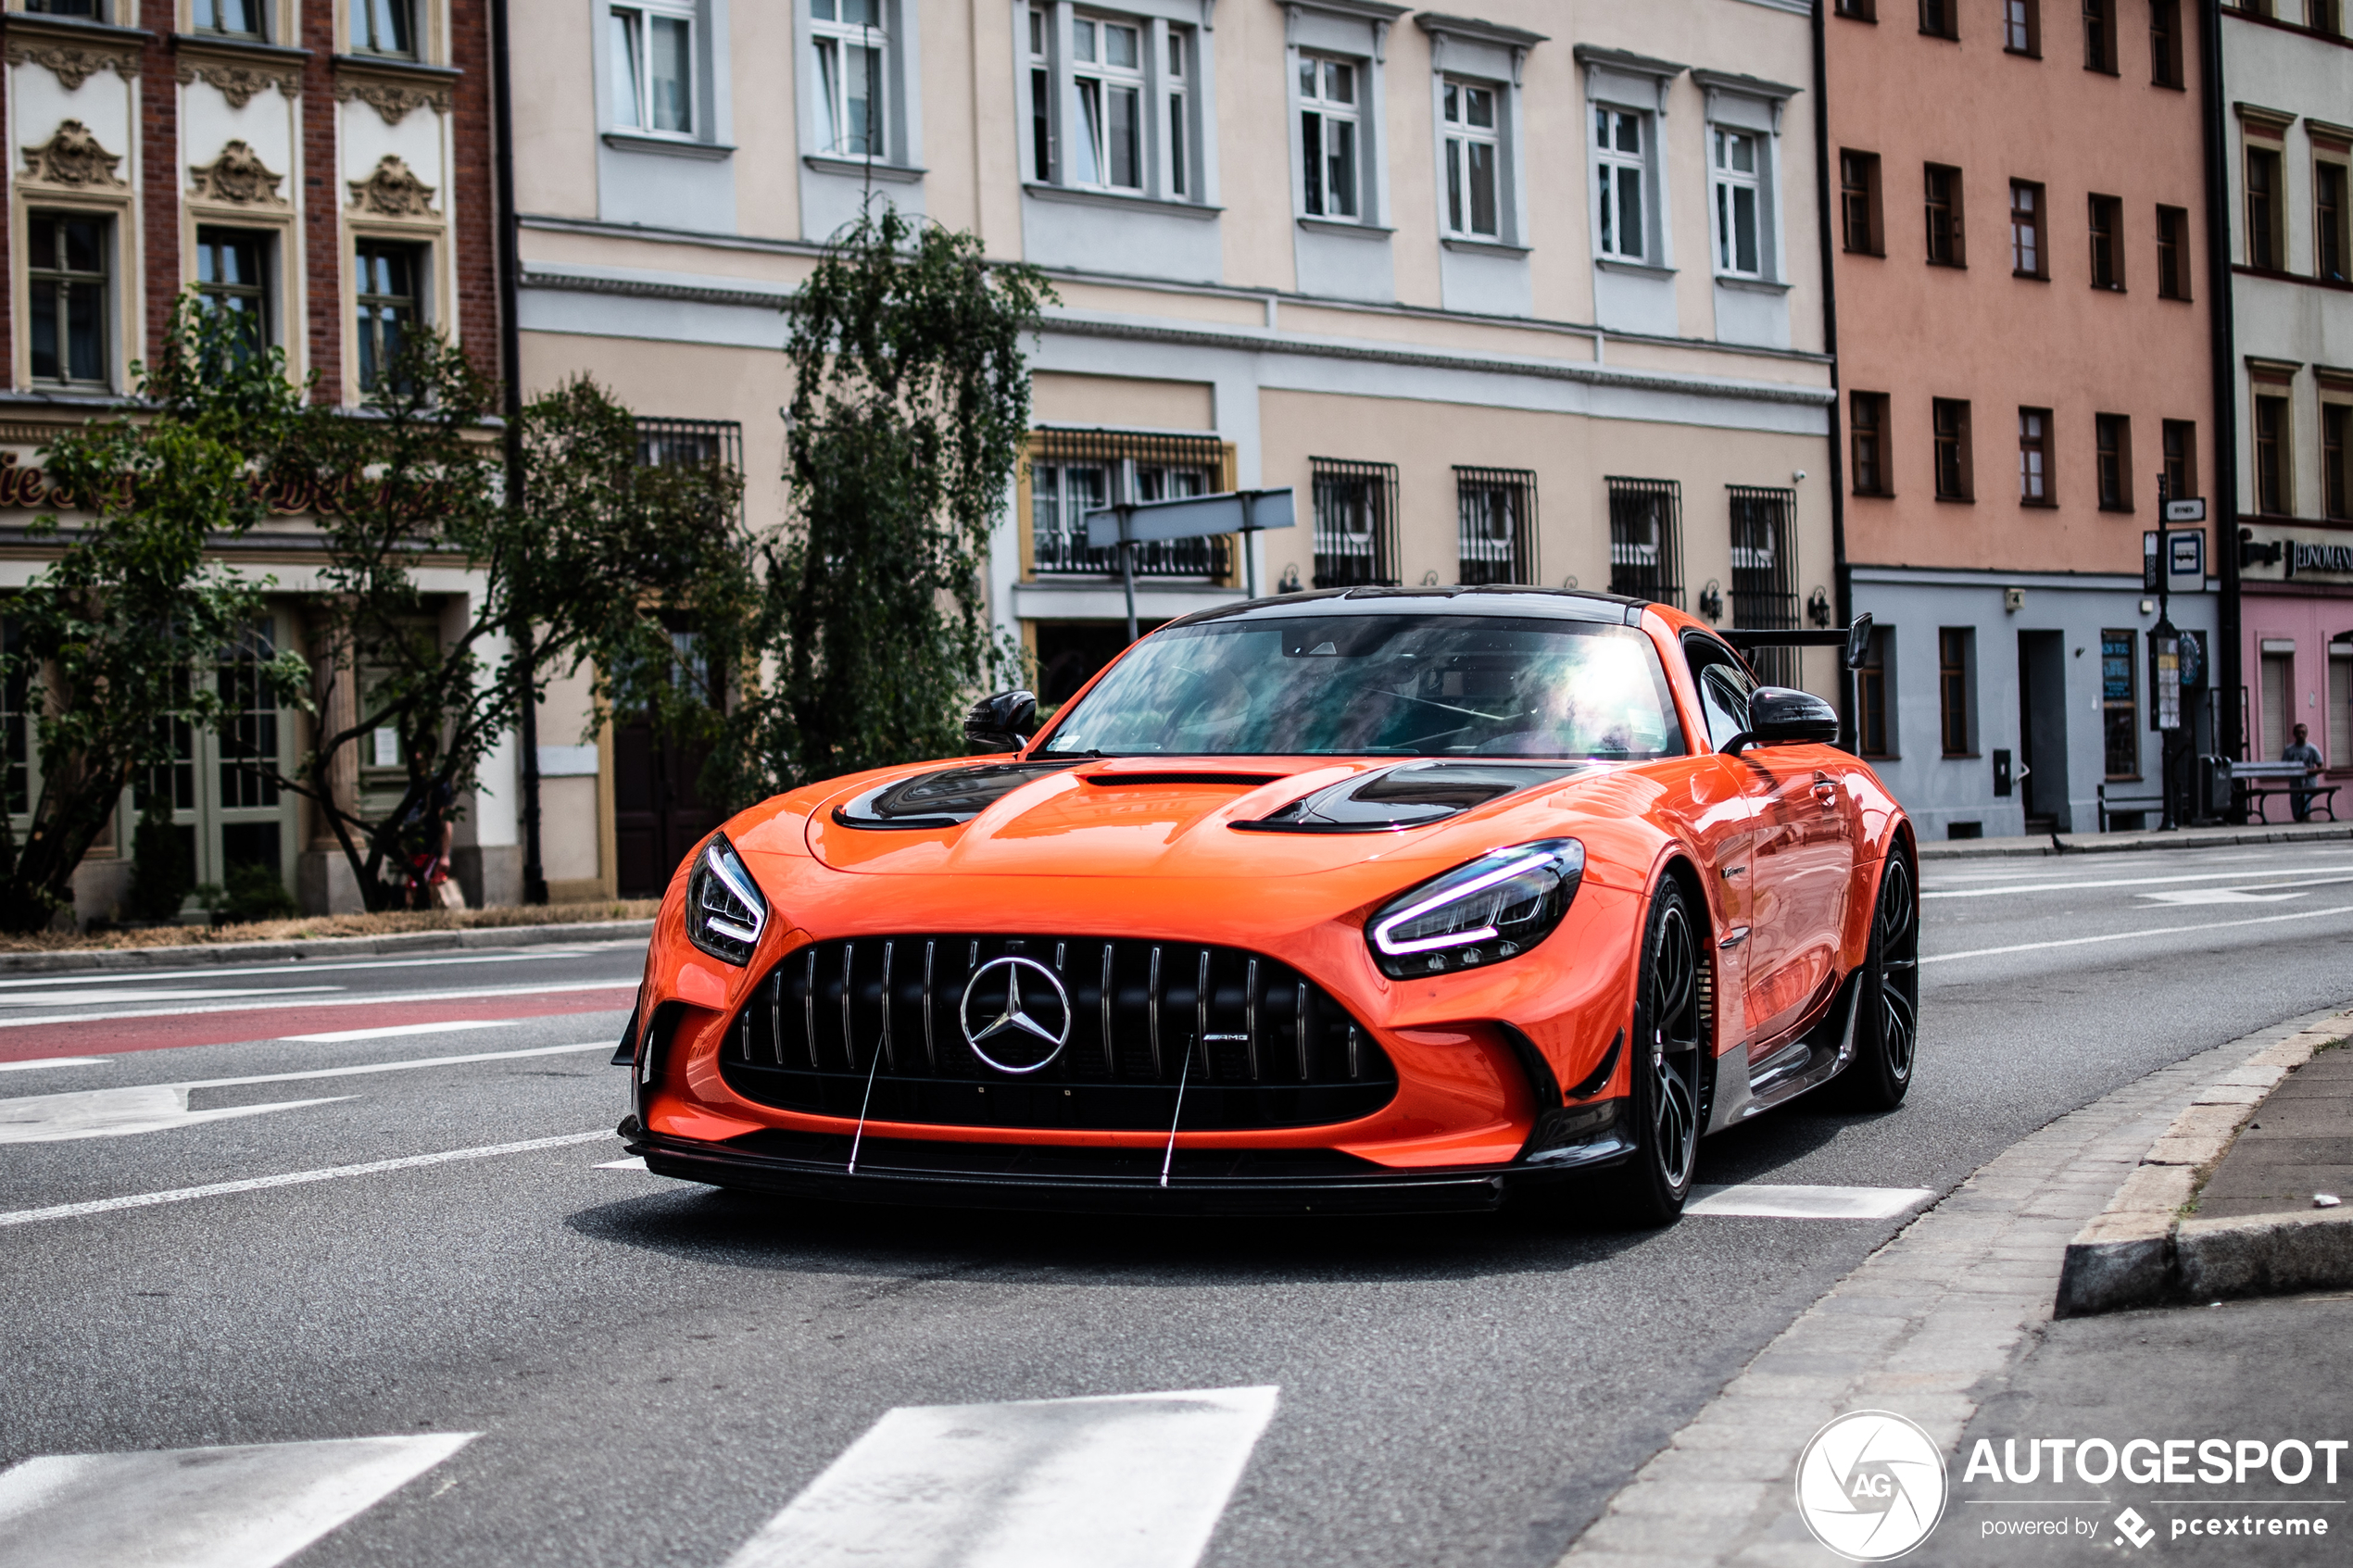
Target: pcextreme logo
(1871, 1486)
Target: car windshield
(1398, 685)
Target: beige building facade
(1533, 296)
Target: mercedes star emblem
(1013, 1023)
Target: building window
(1041, 103)
(1940, 19)
(2329, 237)
(1858, 203)
(1952, 683)
(1355, 522)
(65, 270)
(2325, 17)
(2173, 253)
(1872, 731)
(2165, 42)
(94, 10)
(2265, 209)
(1472, 144)
(685, 444)
(388, 280)
(233, 276)
(2336, 428)
(2107, 247)
(1646, 539)
(1073, 472)
(653, 68)
(2028, 258)
(2112, 437)
(1944, 204)
(2022, 27)
(1620, 174)
(1180, 118)
(1765, 573)
(1093, 107)
(1107, 65)
(2099, 35)
(1740, 201)
(2271, 495)
(1869, 431)
(2340, 741)
(1329, 104)
(1495, 512)
(249, 723)
(2035, 478)
(1859, 10)
(2119, 702)
(1950, 418)
(383, 27)
(2181, 459)
(851, 54)
(16, 726)
(229, 19)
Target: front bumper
(1101, 1180)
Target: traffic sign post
(1188, 517)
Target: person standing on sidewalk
(2303, 751)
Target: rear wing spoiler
(1856, 640)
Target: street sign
(2186, 561)
(2152, 565)
(2191, 510)
(1190, 516)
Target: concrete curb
(196, 953)
(2124, 843)
(2140, 1252)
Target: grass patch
(308, 928)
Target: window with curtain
(653, 68)
(2034, 458)
(1107, 65)
(851, 55)
(380, 27)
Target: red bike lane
(146, 1032)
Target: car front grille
(1252, 1042)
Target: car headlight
(1494, 908)
(726, 912)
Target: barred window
(690, 442)
(1355, 524)
(1765, 573)
(1496, 513)
(1073, 471)
(1646, 539)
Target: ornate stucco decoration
(72, 156)
(393, 190)
(394, 99)
(72, 66)
(237, 83)
(237, 175)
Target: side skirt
(1806, 1062)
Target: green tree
(910, 398)
(107, 636)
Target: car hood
(1188, 818)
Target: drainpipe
(1842, 577)
(534, 874)
(2230, 670)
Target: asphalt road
(654, 1371)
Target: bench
(2127, 805)
(2256, 783)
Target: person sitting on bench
(2299, 799)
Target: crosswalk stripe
(118, 1112)
(292, 1178)
(1766, 1200)
(249, 1507)
(1126, 1481)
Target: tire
(1671, 1052)
(1887, 1030)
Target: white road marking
(408, 1065)
(135, 994)
(306, 966)
(249, 1507)
(2184, 895)
(292, 1178)
(384, 1000)
(117, 1113)
(1130, 1481)
(635, 1162)
(2241, 873)
(53, 1061)
(1768, 1201)
(391, 1031)
(2128, 936)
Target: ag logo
(1015, 1014)
(1871, 1486)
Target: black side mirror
(1780, 716)
(1858, 641)
(1002, 723)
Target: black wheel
(1671, 1052)
(1887, 1032)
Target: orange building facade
(2023, 320)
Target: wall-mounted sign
(2300, 558)
(2191, 510)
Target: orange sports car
(1369, 899)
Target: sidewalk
(2116, 842)
(2298, 1146)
